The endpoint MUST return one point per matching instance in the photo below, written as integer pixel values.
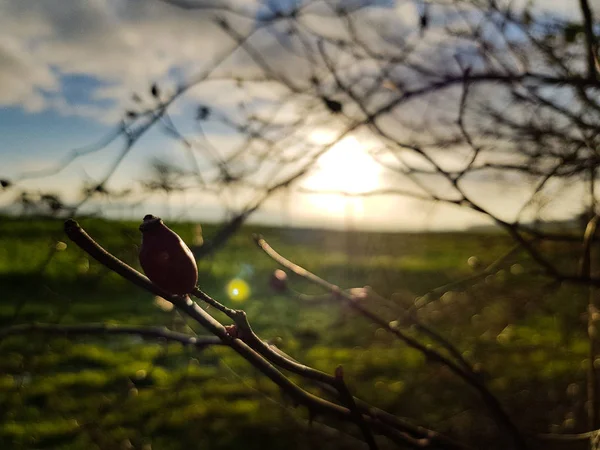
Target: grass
(526, 338)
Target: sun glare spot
(238, 290)
(345, 169)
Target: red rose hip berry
(166, 259)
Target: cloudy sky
(69, 69)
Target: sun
(345, 169)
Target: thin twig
(275, 356)
(488, 398)
(590, 38)
(567, 437)
(200, 342)
(348, 399)
(592, 331)
(434, 294)
(316, 405)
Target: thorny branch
(506, 91)
(431, 355)
(260, 355)
(200, 342)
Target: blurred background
(437, 160)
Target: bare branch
(432, 355)
(315, 404)
(590, 39)
(200, 342)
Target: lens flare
(238, 290)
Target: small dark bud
(333, 105)
(52, 201)
(223, 23)
(339, 372)
(278, 281)
(5, 183)
(131, 114)
(155, 91)
(202, 113)
(424, 22)
(226, 176)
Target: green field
(525, 335)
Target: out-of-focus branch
(348, 399)
(592, 328)
(499, 263)
(245, 332)
(316, 405)
(567, 437)
(590, 39)
(200, 342)
(73, 155)
(492, 403)
(375, 193)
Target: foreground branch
(315, 405)
(488, 398)
(200, 342)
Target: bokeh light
(238, 290)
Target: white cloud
(127, 44)
(19, 72)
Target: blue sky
(68, 70)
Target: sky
(69, 69)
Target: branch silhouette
(243, 341)
(491, 402)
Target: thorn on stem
(232, 331)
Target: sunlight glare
(345, 168)
(238, 290)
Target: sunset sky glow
(68, 70)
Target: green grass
(525, 336)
